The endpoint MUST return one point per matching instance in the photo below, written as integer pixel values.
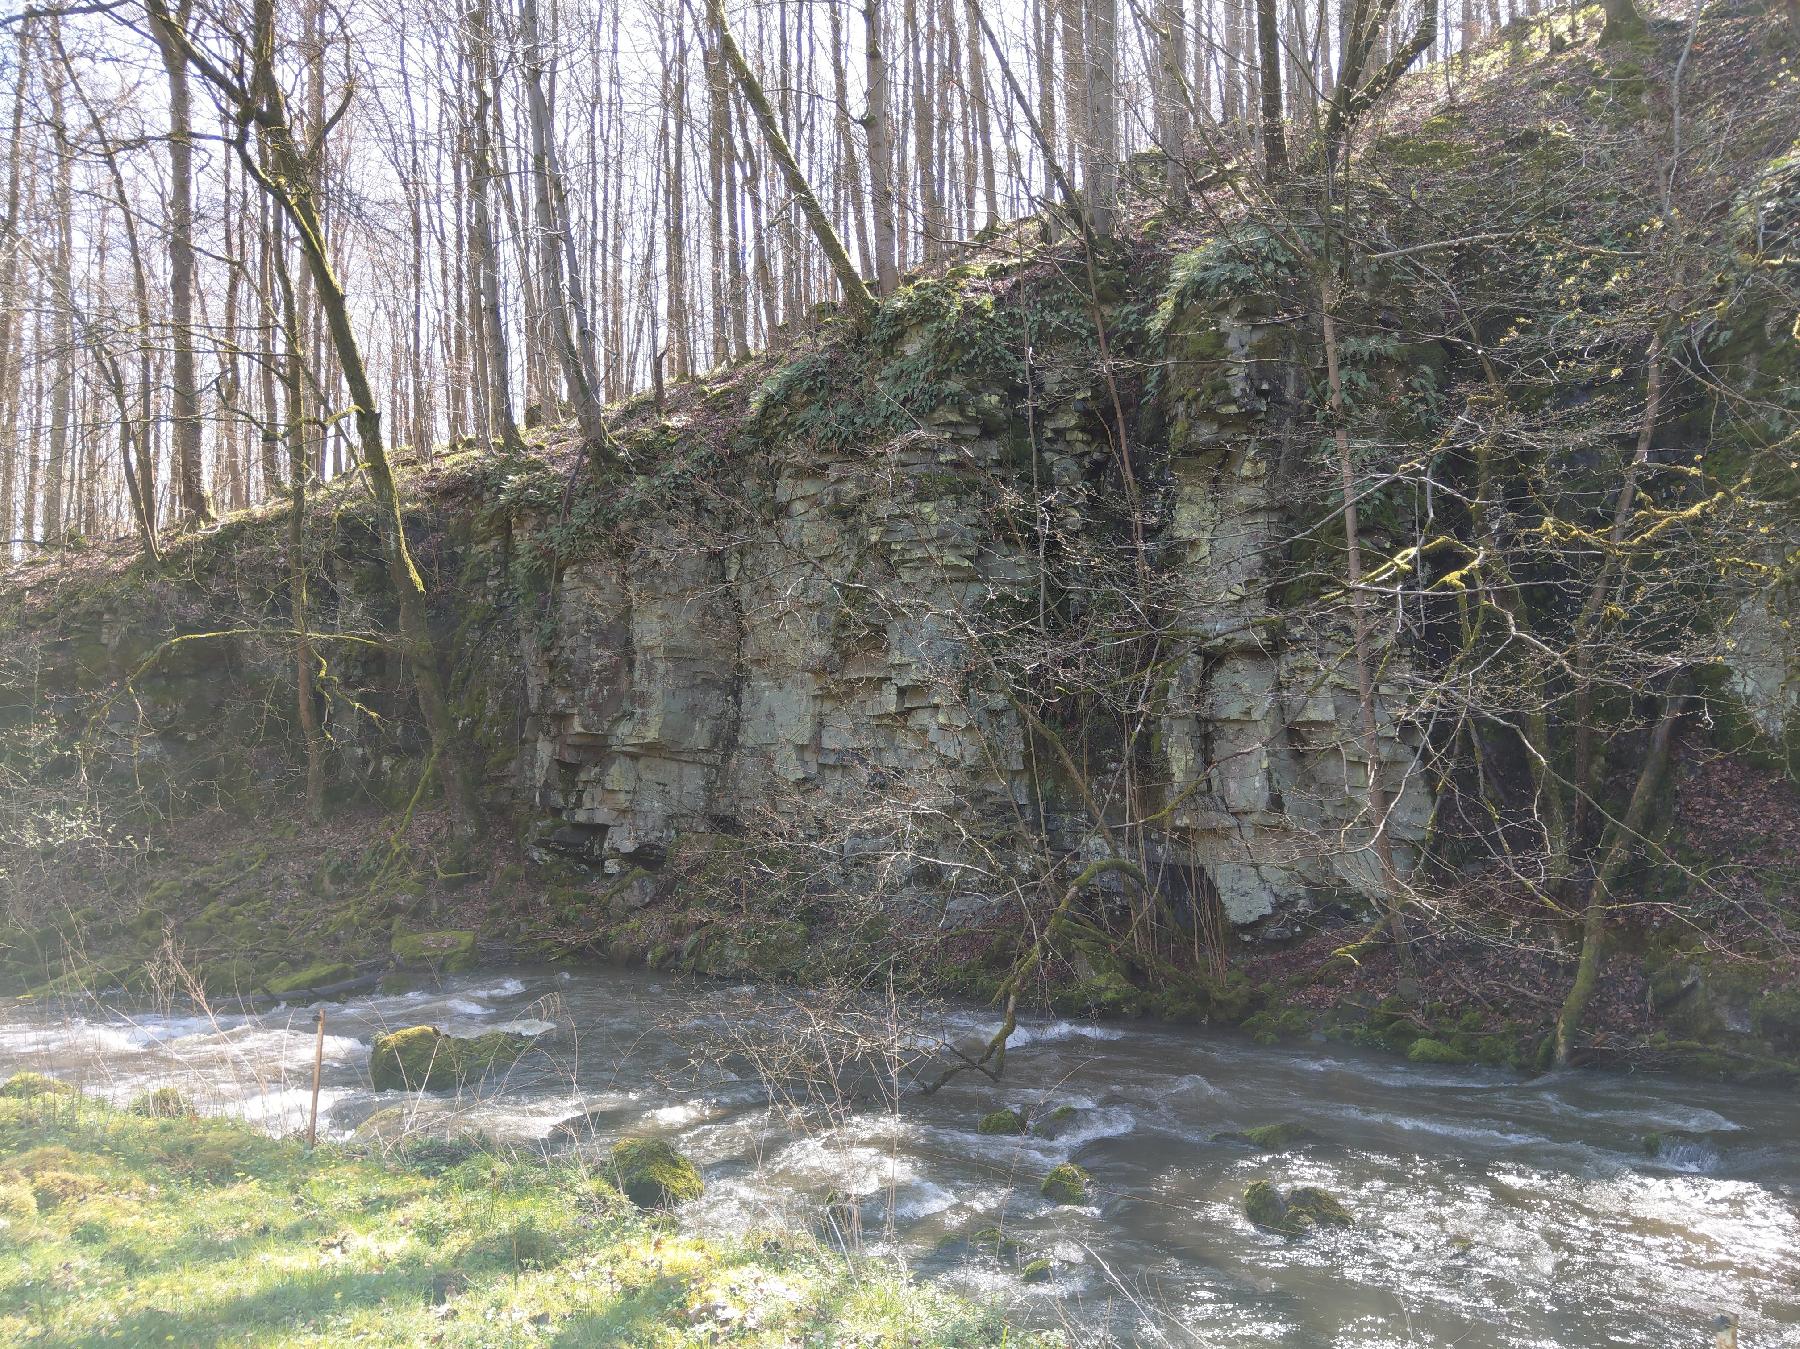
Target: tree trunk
(881, 152)
(484, 256)
(1172, 103)
(1102, 167)
(557, 259)
(260, 102)
(170, 28)
(856, 295)
(1377, 797)
(1613, 855)
(1624, 21)
(1268, 50)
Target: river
(1491, 1209)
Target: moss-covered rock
(1303, 1209)
(1037, 1271)
(423, 1058)
(1055, 1123)
(53, 1189)
(1427, 1050)
(1280, 1137)
(17, 1202)
(993, 1242)
(1007, 1121)
(323, 974)
(447, 952)
(652, 1174)
(29, 1086)
(162, 1103)
(1067, 1184)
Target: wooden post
(312, 1121)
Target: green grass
(204, 1232)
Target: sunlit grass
(203, 1232)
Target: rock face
(823, 652)
(881, 648)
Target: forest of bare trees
(530, 211)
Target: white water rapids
(1491, 1209)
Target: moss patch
(1067, 1184)
(29, 1086)
(1302, 1210)
(439, 952)
(423, 1058)
(652, 1174)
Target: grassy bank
(119, 1227)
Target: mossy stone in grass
(653, 1175)
(1007, 1121)
(1067, 1184)
(16, 1199)
(1427, 1050)
(448, 952)
(162, 1103)
(423, 1058)
(30, 1086)
(53, 1189)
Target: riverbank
(1566, 1208)
(235, 911)
(123, 1227)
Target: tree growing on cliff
(259, 108)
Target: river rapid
(1490, 1209)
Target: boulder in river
(1067, 1184)
(1057, 1123)
(1282, 1137)
(423, 1058)
(1301, 1210)
(1008, 1121)
(652, 1174)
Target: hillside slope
(858, 657)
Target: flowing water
(1490, 1209)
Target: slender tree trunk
(485, 260)
(557, 255)
(856, 295)
(676, 227)
(169, 30)
(63, 326)
(11, 311)
(881, 151)
(1172, 105)
(983, 121)
(1102, 168)
(1377, 797)
(1613, 854)
(260, 103)
(1268, 46)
